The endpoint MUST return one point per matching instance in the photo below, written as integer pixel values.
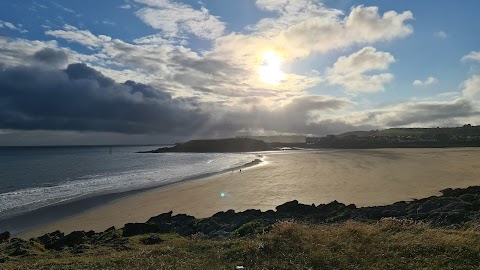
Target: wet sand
(362, 177)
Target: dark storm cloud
(81, 98)
(51, 56)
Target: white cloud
(472, 56)
(429, 81)
(289, 13)
(411, 114)
(471, 87)
(126, 6)
(301, 30)
(11, 26)
(84, 37)
(354, 72)
(21, 52)
(364, 25)
(177, 19)
(440, 34)
(157, 39)
(109, 22)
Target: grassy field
(389, 244)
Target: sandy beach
(362, 177)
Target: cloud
(84, 37)
(303, 27)
(472, 56)
(51, 57)
(440, 34)
(412, 114)
(157, 39)
(16, 52)
(177, 19)
(471, 88)
(289, 13)
(109, 22)
(11, 26)
(230, 67)
(364, 25)
(429, 81)
(126, 6)
(80, 98)
(354, 72)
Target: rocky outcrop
(217, 146)
(454, 208)
(4, 236)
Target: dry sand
(362, 177)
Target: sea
(37, 177)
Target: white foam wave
(185, 166)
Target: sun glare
(270, 71)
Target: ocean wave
(175, 168)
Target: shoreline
(21, 222)
(360, 177)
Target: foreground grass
(389, 244)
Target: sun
(270, 71)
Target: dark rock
(433, 204)
(107, 236)
(294, 207)
(52, 240)
(90, 234)
(251, 213)
(331, 207)
(152, 240)
(131, 229)
(222, 215)
(182, 218)
(4, 236)
(161, 218)
(75, 238)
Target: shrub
(250, 228)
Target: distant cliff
(217, 146)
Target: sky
(164, 71)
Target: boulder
(161, 218)
(4, 236)
(75, 238)
(131, 229)
(52, 240)
(224, 215)
(293, 207)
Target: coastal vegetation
(439, 232)
(387, 244)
